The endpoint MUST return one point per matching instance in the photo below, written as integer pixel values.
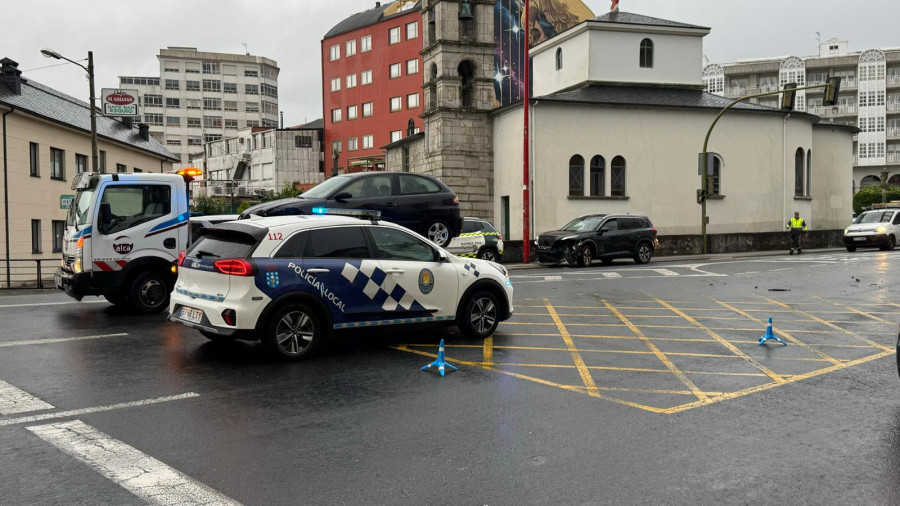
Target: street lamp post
(95, 155)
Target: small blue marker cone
(770, 335)
(440, 362)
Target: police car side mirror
(340, 197)
(442, 256)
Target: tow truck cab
(122, 235)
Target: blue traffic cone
(440, 362)
(770, 335)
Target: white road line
(55, 303)
(665, 272)
(135, 471)
(611, 275)
(59, 340)
(14, 401)
(96, 409)
(552, 278)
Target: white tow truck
(122, 235)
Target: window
(335, 146)
(123, 207)
(212, 103)
(336, 84)
(57, 164)
(35, 236)
(231, 124)
(396, 103)
(335, 115)
(229, 70)
(252, 123)
(58, 229)
(269, 90)
(412, 66)
(192, 67)
(798, 173)
(335, 52)
(173, 121)
(303, 141)
(366, 77)
(251, 107)
(808, 170)
(559, 58)
(412, 185)
(137, 170)
(367, 109)
(351, 81)
(192, 141)
(350, 48)
(193, 122)
(598, 173)
(229, 87)
(412, 30)
(120, 168)
(576, 176)
(352, 144)
(153, 100)
(145, 81)
(646, 53)
(365, 43)
(173, 84)
(153, 119)
(173, 142)
(171, 66)
(192, 103)
(412, 101)
(395, 70)
(396, 135)
(34, 159)
(369, 186)
(352, 112)
(368, 142)
(393, 244)
(212, 85)
(341, 242)
(210, 67)
(81, 164)
(251, 72)
(251, 89)
(466, 70)
(212, 121)
(432, 28)
(102, 162)
(394, 35)
(617, 177)
(173, 103)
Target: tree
(289, 190)
(869, 195)
(210, 205)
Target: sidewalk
(693, 258)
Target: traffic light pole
(704, 187)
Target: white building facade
(203, 97)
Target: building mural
(548, 18)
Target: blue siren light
(360, 213)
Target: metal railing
(28, 273)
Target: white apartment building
(869, 98)
(202, 97)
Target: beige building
(46, 140)
(869, 98)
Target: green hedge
(865, 197)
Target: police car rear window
(222, 246)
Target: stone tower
(458, 63)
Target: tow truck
(123, 235)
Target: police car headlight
(500, 268)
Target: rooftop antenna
(818, 42)
(246, 51)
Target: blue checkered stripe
(201, 296)
(380, 287)
(471, 268)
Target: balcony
(893, 157)
(893, 132)
(892, 106)
(893, 80)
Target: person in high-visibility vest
(797, 227)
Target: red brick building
(371, 84)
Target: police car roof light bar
(359, 213)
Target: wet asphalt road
(663, 415)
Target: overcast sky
(126, 36)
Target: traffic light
(832, 88)
(788, 96)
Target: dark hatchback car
(603, 236)
(418, 202)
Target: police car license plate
(192, 315)
(859, 238)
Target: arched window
(432, 88)
(617, 177)
(432, 28)
(894, 180)
(647, 53)
(558, 58)
(870, 181)
(466, 19)
(598, 169)
(466, 72)
(576, 176)
(808, 172)
(798, 173)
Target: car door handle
(391, 204)
(318, 270)
(394, 271)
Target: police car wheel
(294, 331)
(489, 254)
(149, 293)
(439, 233)
(480, 316)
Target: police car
(478, 239)
(290, 280)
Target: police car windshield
(874, 217)
(584, 223)
(323, 189)
(78, 212)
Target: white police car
(290, 280)
(478, 239)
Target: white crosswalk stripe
(665, 272)
(13, 400)
(611, 275)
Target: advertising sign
(118, 102)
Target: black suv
(418, 202)
(603, 236)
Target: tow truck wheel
(480, 316)
(149, 293)
(851, 249)
(294, 331)
(117, 299)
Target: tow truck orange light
(190, 172)
(80, 243)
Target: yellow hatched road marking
(784, 334)
(724, 342)
(583, 371)
(685, 339)
(857, 311)
(659, 354)
(845, 331)
(488, 352)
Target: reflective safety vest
(797, 223)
